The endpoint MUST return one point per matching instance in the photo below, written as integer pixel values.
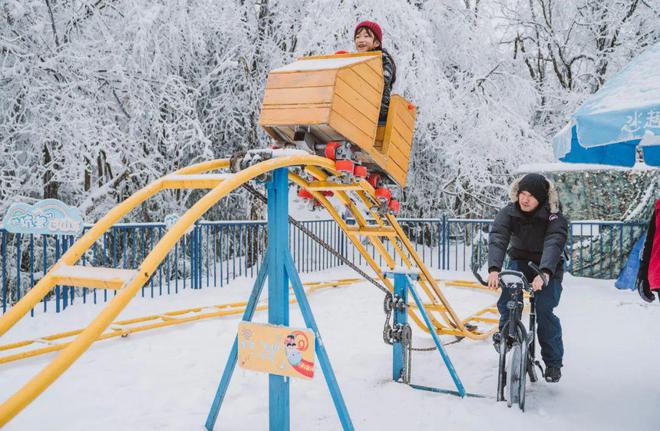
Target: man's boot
(552, 374)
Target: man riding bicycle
(533, 228)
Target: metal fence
(211, 254)
(214, 253)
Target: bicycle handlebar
(538, 272)
(525, 284)
(475, 271)
(519, 274)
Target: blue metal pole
(400, 318)
(32, 267)
(233, 355)
(45, 263)
(143, 254)
(3, 252)
(57, 288)
(436, 340)
(444, 242)
(200, 256)
(193, 262)
(279, 267)
(324, 360)
(278, 289)
(18, 266)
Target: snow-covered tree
(99, 98)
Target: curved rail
(358, 197)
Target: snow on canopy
(636, 86)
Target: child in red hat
(368, 36)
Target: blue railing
(214, 253)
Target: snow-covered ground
(165, 379)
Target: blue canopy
(623, 114)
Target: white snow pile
(166, 379)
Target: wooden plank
(292, 96)
(376, 65)
(361, 86)
(372, 78)
(397, 141)
(397, 173)
(291, 116)
(400, 123)
(402, 130)
(407, 115)
(388, 131)
(298, 106)
(400, 158)
(349, 131)
(380, 133)
(357, 100)
(377, 157)
(367, 125)
(315, 78)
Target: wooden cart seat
(338, 97)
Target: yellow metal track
(31, 348)
(360, 200)
(57, 342)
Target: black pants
(548, 325)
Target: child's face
(365, 41)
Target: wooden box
(394, 140)
(337, 97)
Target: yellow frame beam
(220, 185)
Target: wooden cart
(337, 98)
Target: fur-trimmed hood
(553, 195)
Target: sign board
(276, 349)
(48, 217)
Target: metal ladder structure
(358, 197)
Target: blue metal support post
(278, 289)
(403, 281)
(400, 320)
(278, 266)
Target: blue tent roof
(623, 114)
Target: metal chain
(254, 192)
(388, 331)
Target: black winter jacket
(539, 237)
(389, 76)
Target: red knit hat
(375, 29)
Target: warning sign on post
(276, 349)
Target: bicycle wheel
(518, 366)
(501, 370)
(524, 355)
(513, 374)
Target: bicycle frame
(514, 336)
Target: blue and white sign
(48, 217)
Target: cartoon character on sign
(295, 344)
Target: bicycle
(515, 338)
